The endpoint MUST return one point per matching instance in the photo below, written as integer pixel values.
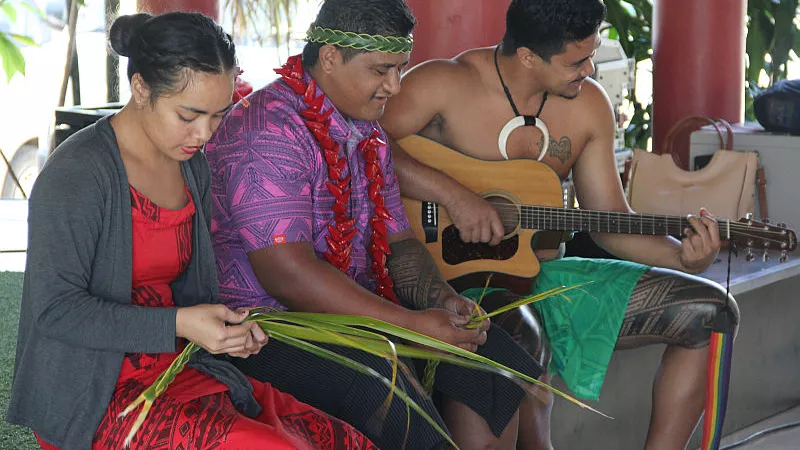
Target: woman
(120, 270)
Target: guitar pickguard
(455, 251)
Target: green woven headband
(371, 43)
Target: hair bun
(123, 30)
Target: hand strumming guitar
(475, 218)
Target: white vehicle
(27, 102)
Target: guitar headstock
(752, 235)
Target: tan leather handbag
(726, 186)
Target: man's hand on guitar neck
(474, 217)
(701, 245)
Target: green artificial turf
(11, 437)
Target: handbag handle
(692, 122)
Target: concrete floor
(785, 439)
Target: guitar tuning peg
(782, 224)
(765, 256)
(765, 220)
(784, 257)
(749, 256)
(748, 216)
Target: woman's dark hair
(161, 48)
(384, 17)
(547, 26)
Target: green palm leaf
(527, 301)
(303, 330)
(408, 335)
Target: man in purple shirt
(308, 217)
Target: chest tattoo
(561, 149)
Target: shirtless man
(541, 69)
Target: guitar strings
(585, 216)
(530, 212)
(632, 230)
(626, 220)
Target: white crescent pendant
(517, 122)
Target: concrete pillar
(698, 63)
(445, 28)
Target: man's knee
(725, 304)
(699, 314)
(533, 337)
(523, 324)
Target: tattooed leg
(678, 310)
(673, 308)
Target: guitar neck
(561, 219)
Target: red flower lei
(341, 235)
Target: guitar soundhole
(456, 251)
(508, 212)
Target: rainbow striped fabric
(719, 372)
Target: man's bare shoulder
(450, 75)
(590, 112)
(593, 99)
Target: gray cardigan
(77, 321)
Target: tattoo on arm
(418, 283)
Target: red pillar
(698, 63)
(445, 28)
(207, 7)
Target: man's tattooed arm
(418, 283)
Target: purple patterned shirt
(269, 187)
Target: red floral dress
(196, 412)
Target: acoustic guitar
(528, 198)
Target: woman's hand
(220, 330)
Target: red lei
(341, 235)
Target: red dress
(196, 412)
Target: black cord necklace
(520, 120)
(508, 94)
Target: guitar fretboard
(560, 219)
